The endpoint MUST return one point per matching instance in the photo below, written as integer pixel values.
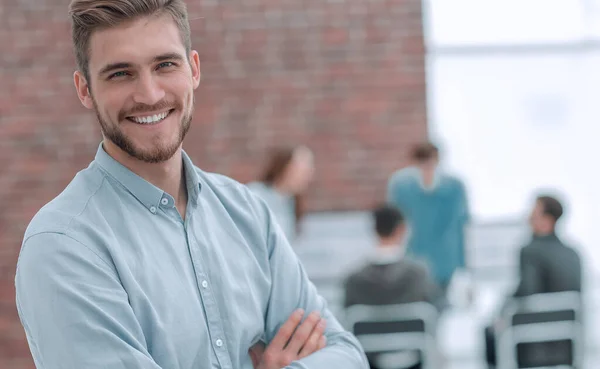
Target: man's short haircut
(88, 16)
(387, 219)
(424, 152)
(551, 206)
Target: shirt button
(153, 210)
(164, 201)
(205, 284)
(219, 343)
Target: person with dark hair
(283, 184)
(546, 265)
(388, 277)
(145, 261)
(425, 153)
(436, 208)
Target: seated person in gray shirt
(388, 277)
(546, 265)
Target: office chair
(396, 336)
(544, 331)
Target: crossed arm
(74, 310)
(291, 289)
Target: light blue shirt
(110, 276)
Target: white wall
(516, 120)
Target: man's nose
(148, 91)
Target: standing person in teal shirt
(436, 207)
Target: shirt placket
(211, 308)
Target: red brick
(335, 36)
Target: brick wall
(345, 77)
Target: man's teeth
(150, 119)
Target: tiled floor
(333, 244)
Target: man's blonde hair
(88, 16)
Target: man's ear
(195, 64)
(83, 90)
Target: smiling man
(144, 260)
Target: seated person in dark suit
(388, 277)
(546, 265)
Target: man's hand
(292, 342)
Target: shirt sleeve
(393, 189)
(530, 274)
(74, 309)
(397, 193)
(291, 289)
(433, 293)
(464, 203)
(464, 219)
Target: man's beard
(158, 154)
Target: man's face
(300, 171)
(429, 165)
(142, 86)
(539, 222)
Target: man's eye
(165, 65)
(118, 74)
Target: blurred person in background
(145, 260)
(390, 278)
(546, 265)
(283, 184)
(436, 207)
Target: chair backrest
(538, 321)
(411, 317)
(554, 301)
(395, 328)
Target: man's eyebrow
(114, 66)
(168, 56)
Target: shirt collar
(545, 237)
(145, 192)
(192, 178)
(383, 255)
(434, 184)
